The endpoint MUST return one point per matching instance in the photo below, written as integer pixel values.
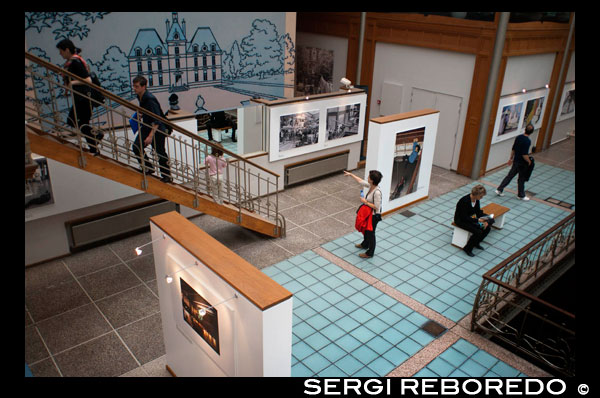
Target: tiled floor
(96, 313)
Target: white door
(449, 107)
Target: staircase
(249, 191)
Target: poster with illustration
(533, 113)
(567, 103)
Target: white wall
(528, 72)
(564, 127)
(438, 71)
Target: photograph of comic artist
(342, 121)
(298, 129)
(407, 161)
(207, 325)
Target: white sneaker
(525, 198)
(499, 193)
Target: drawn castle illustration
(179, 64)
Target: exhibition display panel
(401, 147)
(220, 315)
(312, 123)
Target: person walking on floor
(468, 216)
(520, 163)
(148, 131)
(372, 199)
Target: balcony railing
(546, 332)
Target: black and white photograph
(314, 71)
(298, 130)
(407, 161)
(38, 189)
(198, 313)
(342, 121)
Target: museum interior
(243, 255)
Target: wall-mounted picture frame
(566, 109)
(212, 332)
(516, 111)
(298, 130)
(407, 161)
(294, 129)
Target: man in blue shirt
(519, 158)
(148, 131)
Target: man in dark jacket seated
(218, 119)
(468, 216)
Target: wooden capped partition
(257, 287)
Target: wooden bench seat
(460, 236)
(218, 131)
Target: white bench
(460, 236)
(218, 132)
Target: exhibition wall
(567, 125)
(401, 72)
(529, 72)
(220, 315)
(210, 60)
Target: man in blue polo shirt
(519, 158)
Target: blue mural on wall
(183, 60)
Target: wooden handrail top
(136, 108)
(403, 116)
(287, 101)
(253, 284)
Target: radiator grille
(111, 226)
(316, 168)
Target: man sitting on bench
(218, 119)
(468, 216)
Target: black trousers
(158, 146)
(517, 168)
(369, 239)
(477, 233)
(210, 125)
(80, 115)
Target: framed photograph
(298, 130)
(566, 109)
(38, 188)
(310, 125)
(202, 315)
(314, 71)
(407, 161)
(533, 113)
(342, 121)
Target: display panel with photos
(308, 125)
(407, 161)
(199, 314)
(516, 111)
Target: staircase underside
(67, 153)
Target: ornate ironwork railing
(245, 185)
(546, 332)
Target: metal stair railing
(245, 185)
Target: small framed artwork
(566, 109)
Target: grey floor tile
(302, 214)
(91, 260)
(144, 338)
(261, 254)
(73, 327)
(129, 306)
(55, 300)
(109, 281)
(105, 356)
(34, 347)
(143, 267)
(46, 275)
(329, 228)
(299, 240)
(44, 368)
(125, 248)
